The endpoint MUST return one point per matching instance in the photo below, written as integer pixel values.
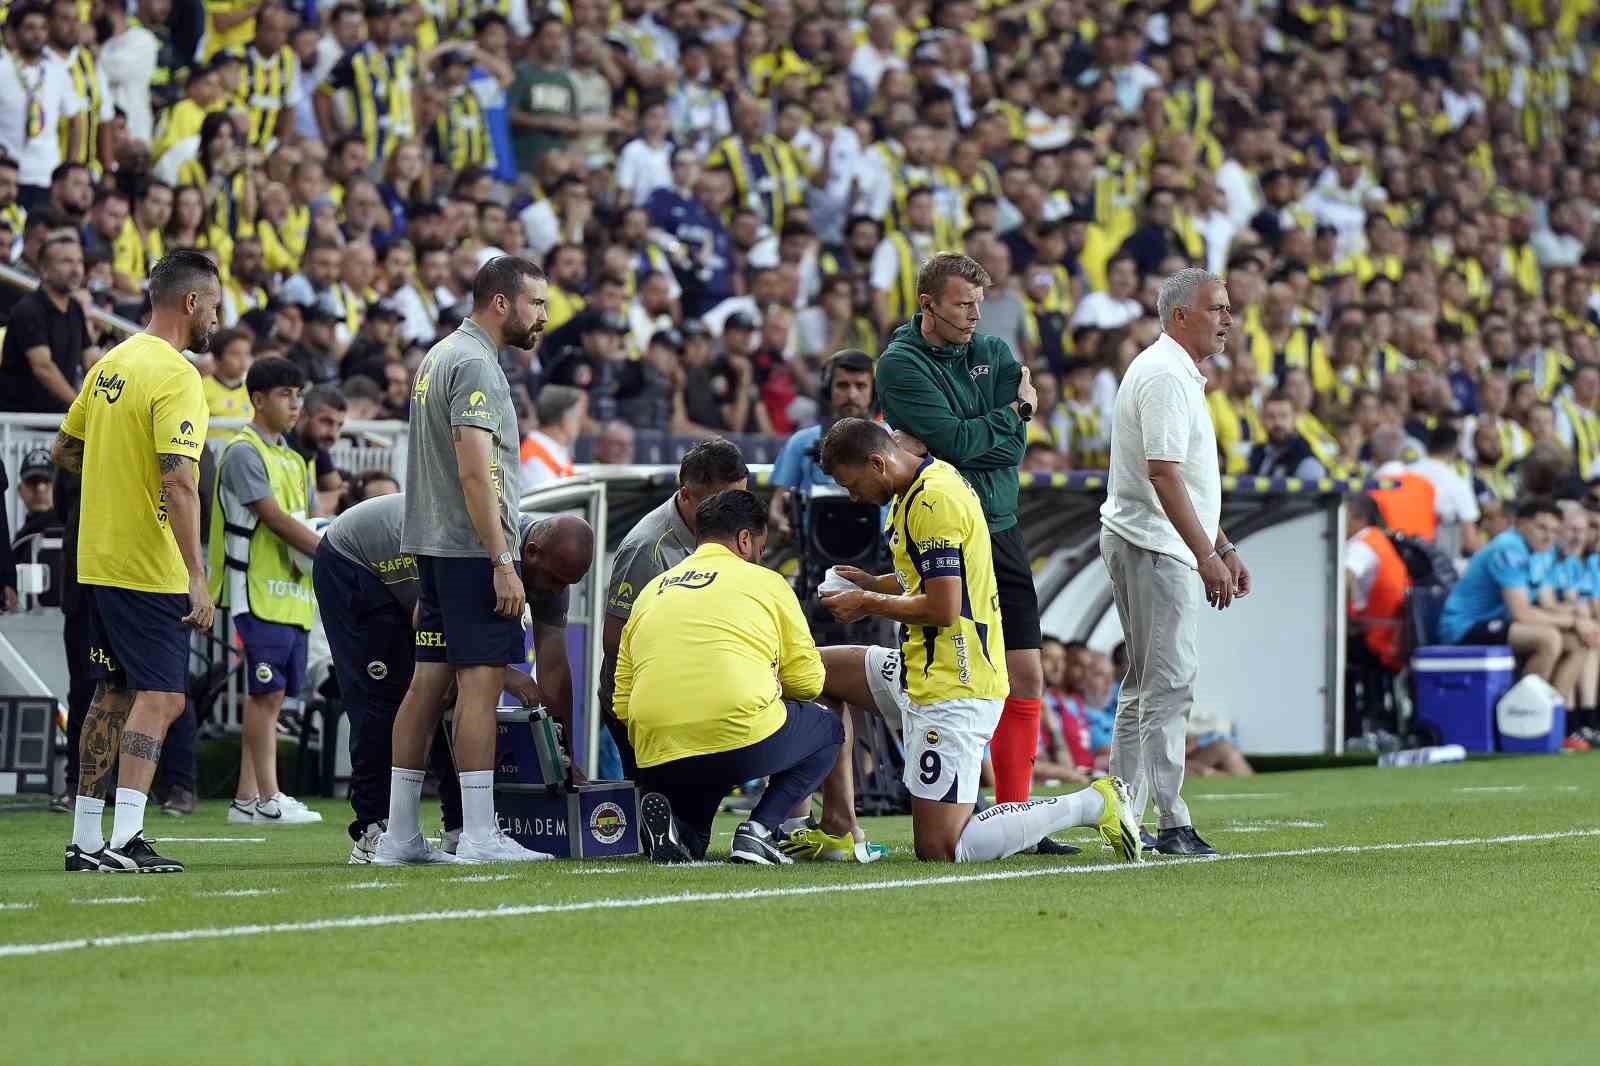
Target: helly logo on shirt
(109, 385)
(689, 579)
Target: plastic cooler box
(1458, 688)
(1530, 732)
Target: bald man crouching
(367, 592)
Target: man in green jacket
(965, 396)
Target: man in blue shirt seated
(1566, 585)
(1493, 602)
(847, 390)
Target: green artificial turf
(1471, 953)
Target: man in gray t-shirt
(659, 541)
(459, 384)
(461, 498)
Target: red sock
(1012, 749)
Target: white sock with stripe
(477, 805)
(129, 818)
(1008, 828)
(405, 802)
(87, 813)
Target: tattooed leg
(101, 737)
(153, 713)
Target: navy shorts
(369, 634)
(274, 655)
(1488, 633)
(457, 623)
(137, 640)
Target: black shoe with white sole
(1182, 840)
(661, 841)
(84, 862)
(138, 857)
(750, 846)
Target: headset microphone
(929, 309)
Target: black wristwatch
(1025, 410)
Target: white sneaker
(242, 812)
(285, 810)
(450, 840)
(498, 848)
(362, 851)
(392, 851)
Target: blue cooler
(1531, 732)
(1457, 690)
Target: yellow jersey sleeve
(179, 415)
(936, 527)
(76, 422)
(800, 669)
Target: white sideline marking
(362, 921)
(1493, 788)
(111, 899)
(208, 840)
(242, 892)
(1241, 796)
(1267, 825)
(372, 884)
(472, 879)
(599, 870)
(16, 906)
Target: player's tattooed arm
(67, 452)
(170, 462)
(141, 746)
(102, 734)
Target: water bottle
(1424, 756)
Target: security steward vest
(242, 546)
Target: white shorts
(944, 741)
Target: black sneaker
(661, 841)
(1182, 840)
(1046, 846)
(1148, 841)
(179, 803)
(749, 846)
(138, 857)
(84, 862)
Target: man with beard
(463, 484)
(321, 420)
(136, 431)
(41, 364)
(1285, 453)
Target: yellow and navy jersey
(91, 87)
(937, 529)
(460, 135)
(713, 615)
(271, 84)
(141, 401)
(283, 244)
(454, 18)
(379, 86)
(1302, 348)
(235, 37)
(766, 175)
(228, 209)
(15, 216)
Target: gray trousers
(1158, 599)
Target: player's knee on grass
(936, 828)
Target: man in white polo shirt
(1160, 523)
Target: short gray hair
(1179, 289)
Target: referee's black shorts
(1019, 602)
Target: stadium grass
(1476, 953)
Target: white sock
(405, 802)
(791, 824)
(477, 805)
(86, 814)
(129, 818)
(1007, 828)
